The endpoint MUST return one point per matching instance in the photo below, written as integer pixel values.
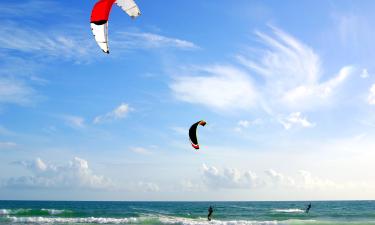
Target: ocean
(187, 213)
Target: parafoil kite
(100, 15)
(193, 133)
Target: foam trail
(203, 221)
(289, 210)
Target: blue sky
(287, 89)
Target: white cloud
(295, 119)
(44, 42)
(188, 185)
(140, 150)
(6, 132)
(286, 59)
(142, 186)
(74, 174)
(221, 88)
(234, 179)
(308, 96)
(312, 182)
(179, 130)
(7, 144)
(243, 124)
(292, 73)
(306, 180)
(279, 179)
(371, 96)
(364, 74)
(15, 91)
(229, 178)
(150, 40)
(148, 187)
(29, 8)
(287, 75)
(75, 121)
(119, 112)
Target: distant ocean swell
(167, 220)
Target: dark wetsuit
(210, 211)
(308, 208)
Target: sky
(287, 89)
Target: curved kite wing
(99, 23)
(99, 18)
(129, 7)
(193, 133)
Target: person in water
(308, 208)
(210, 211)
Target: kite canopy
(193, 133)
(100, 15)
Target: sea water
(225, 213)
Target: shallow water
(225, 213)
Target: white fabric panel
(101, 35)
(129, 7)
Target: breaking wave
(34, 212)
(133, 220)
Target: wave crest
(289, 210)
(99, 220)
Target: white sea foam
(98, 220)
(54, 211)
(4, 211)
(203, 221)
(163, 220)
(289, 210)
(12, 211)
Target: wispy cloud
(34, 8)
(136, 40)
(221, 88)
(364, 74)
(243, 124)
(140, 150)
(287, 75)
(5, 131)
(295, 119)
(46, 43)
(119, 112)
(7, 145)
(74, 121)
(292, 72)
(371, 96)
(16, 91)
(74, 174)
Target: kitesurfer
(210, 211)
(308, 208)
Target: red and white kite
(100, 15)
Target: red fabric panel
(101, 10)
(195, 146)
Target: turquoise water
(186, 213)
